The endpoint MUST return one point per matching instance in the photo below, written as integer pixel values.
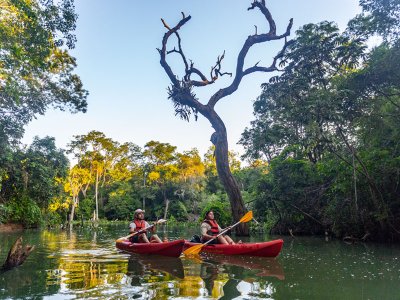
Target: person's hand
(228, 228)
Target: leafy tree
(31, 179)
(104, 159)
(44, 164)
(122, 199)
(336, 105)
(304, 106)
(77, 178)
(161, 158)
(380, 17)
(36, 71)
(191, 182)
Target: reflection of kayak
(264, 249)
(266, 267)
(173, 249)
(138, 264)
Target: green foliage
(5, 212)
(25, 211)
(122, 201)
(329, 125)
(378, 17)
(85, 209)
(179, 211)
(35, 72)
(270, 220)
(221, 209)
(52, 219)
(33, 172)
(300, 109)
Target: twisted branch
(216, 70)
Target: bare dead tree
(186, 103)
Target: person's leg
(155, 239)
(143, 238)
(222, 240)
(229, 240)
(134, 239)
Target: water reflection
(227, 277)
(85, 264)
(143, 265)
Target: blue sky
(119, 65)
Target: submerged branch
(17, 255)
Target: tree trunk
(72, 213)
(96, 195)
(166, 201)
(219, 139)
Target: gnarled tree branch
(186, 103)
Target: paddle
(197, 248)
(142, 230)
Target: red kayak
(172, 249)
(264, 249)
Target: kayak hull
(263, 249)
(171, 249)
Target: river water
(85, 264)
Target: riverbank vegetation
(323, 153)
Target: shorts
(135, 239)
(213, 242)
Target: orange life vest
(214, 227)
(140, 224)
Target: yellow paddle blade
(247, 217)
(193, 250)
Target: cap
(138, 211)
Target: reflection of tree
(222, 275)
(230, 289)
(208, 273)
(140, 265)
(243, 266)
(79, 265)
(159, 274)
(75, 263)
(213, 284)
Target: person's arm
(132, 227)
(152, 229)
(203, 229)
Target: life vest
(214, 227)
(140, 224)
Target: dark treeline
(329, 124)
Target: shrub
(25, 211)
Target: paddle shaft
(137, 232)
(142, 230)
